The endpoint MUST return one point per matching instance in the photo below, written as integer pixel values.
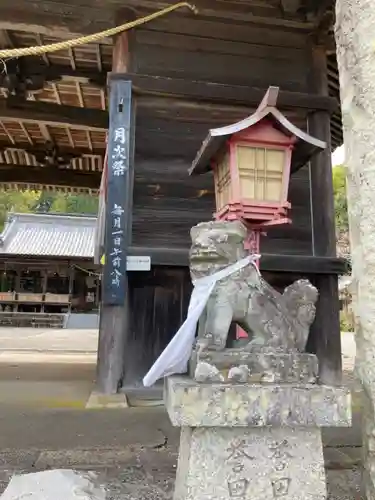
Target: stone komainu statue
(273, 321)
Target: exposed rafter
(177, 87)
(29, 74)
(29, 174)
(19, 109)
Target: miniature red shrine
(252, 161)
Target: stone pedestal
(259, 367)
(252, 441)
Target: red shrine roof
(305, 147)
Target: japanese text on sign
(116, 252)
(119, 156)
(118, 193)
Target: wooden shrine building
(171, 80)
(47, 273)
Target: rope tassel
(54, 47)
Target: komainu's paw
(255, 344)
(239, 374)
(205, 372)
(203, 344)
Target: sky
(338, 156)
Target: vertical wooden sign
(118, 203)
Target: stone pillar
(253, 439)
(355, 42)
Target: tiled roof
(49, 235)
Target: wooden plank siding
(170, 131)
(159, 300)
(171, 203)
(176, 128)
(295, 238)
(80, 16)
(224, 53)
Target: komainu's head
(217, 243)
(301, 297)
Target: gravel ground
(133, 451)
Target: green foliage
(42, 202)
(75, 204)
(341, 205)
(346, 322)
(16, 201)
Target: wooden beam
(48, 113)
(304, 264)
(325, 337)
(146, 187)
(225, 94)
(39, 149)
(294, 264)
(321, 167)
(213, 96)
(266, 13)
(71, 21)
(49, 176)
(191, 89)
(31, 111)
(35, 67)
(290, 6)
(77, 17)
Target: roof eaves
(9, 225)
(306, 145)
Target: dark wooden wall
(295, 238)
(158, 306)
(223, 52)
(167, 202)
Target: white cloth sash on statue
(175, 357)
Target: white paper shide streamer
(175, 357)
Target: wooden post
(325, 337)
(3, 280)
(71, 284)
(113, 325)
(44, 286)
(97, 295)
(17, 287)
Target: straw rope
(54, 47)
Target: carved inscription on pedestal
(255, 464)
(280, 487)
(237, 484)
(279, 479)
